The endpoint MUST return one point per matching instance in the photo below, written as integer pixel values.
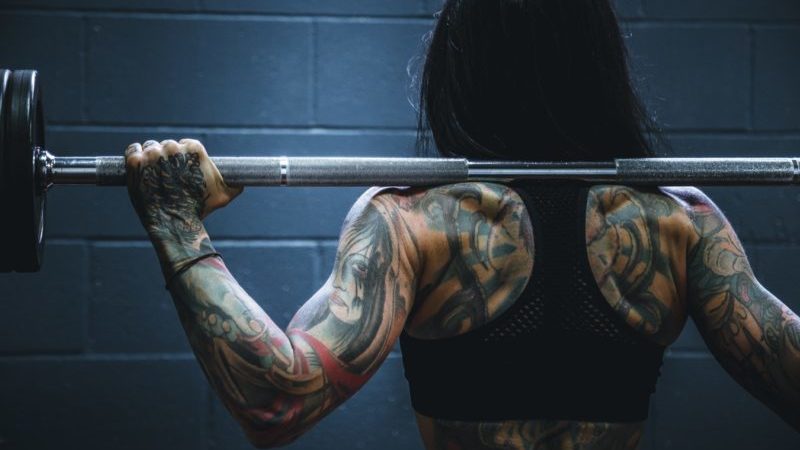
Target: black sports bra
(559, 353)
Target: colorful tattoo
(631, 246)
(483, 258)
(753, 335)
(169, 197)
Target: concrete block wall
(91, 352)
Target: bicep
(350, 325)
(751, 332)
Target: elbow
(272, 430)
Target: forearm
(757, 340)
(249, 361)
(268, 380)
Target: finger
(191, 142)
(151, 151)
(194, 146)
(170, 147)
(133, 148)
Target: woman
(529, 316)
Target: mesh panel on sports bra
(562, 293)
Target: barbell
(28, 170)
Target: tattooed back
(477, 244)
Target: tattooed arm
(276, 384)
(752, 334)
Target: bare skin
(460, 255)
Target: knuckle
(134, 159)
(170, 147)
(194, 146)
(152, 154)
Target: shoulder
(449, 222)
(476, 244)
(430, 204)
(672, 209)
(684, 214)
(484, 224)
(703, 216)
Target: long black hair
(530, 80)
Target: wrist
(176, 247)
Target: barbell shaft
(295, 171)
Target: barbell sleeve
(309, 171)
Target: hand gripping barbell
(27, 171)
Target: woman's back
(480, 244)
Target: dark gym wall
(91, 353)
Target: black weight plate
(6, 261)
(24, 135)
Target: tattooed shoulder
(478, 255)
(637, 242)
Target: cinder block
(624, 8)
(280, 276)
(109, 141)
(690, 339)
(46, 312)
(329, 249)
(130, 309)
(295, 213)
(777, 268)
(117, 5)
(694, 77)
(698, 406)
(326, 143)
(100, 404)
(327, 7)
(627, 9)
(225, 71)
(361, 72)
(777, 69)
(132, 312)
(779, 10)
(83, 211)
(760, 215)
(743, 145)
(378, 416)
(52, 45)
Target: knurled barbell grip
(276, 171)
(709, 171)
